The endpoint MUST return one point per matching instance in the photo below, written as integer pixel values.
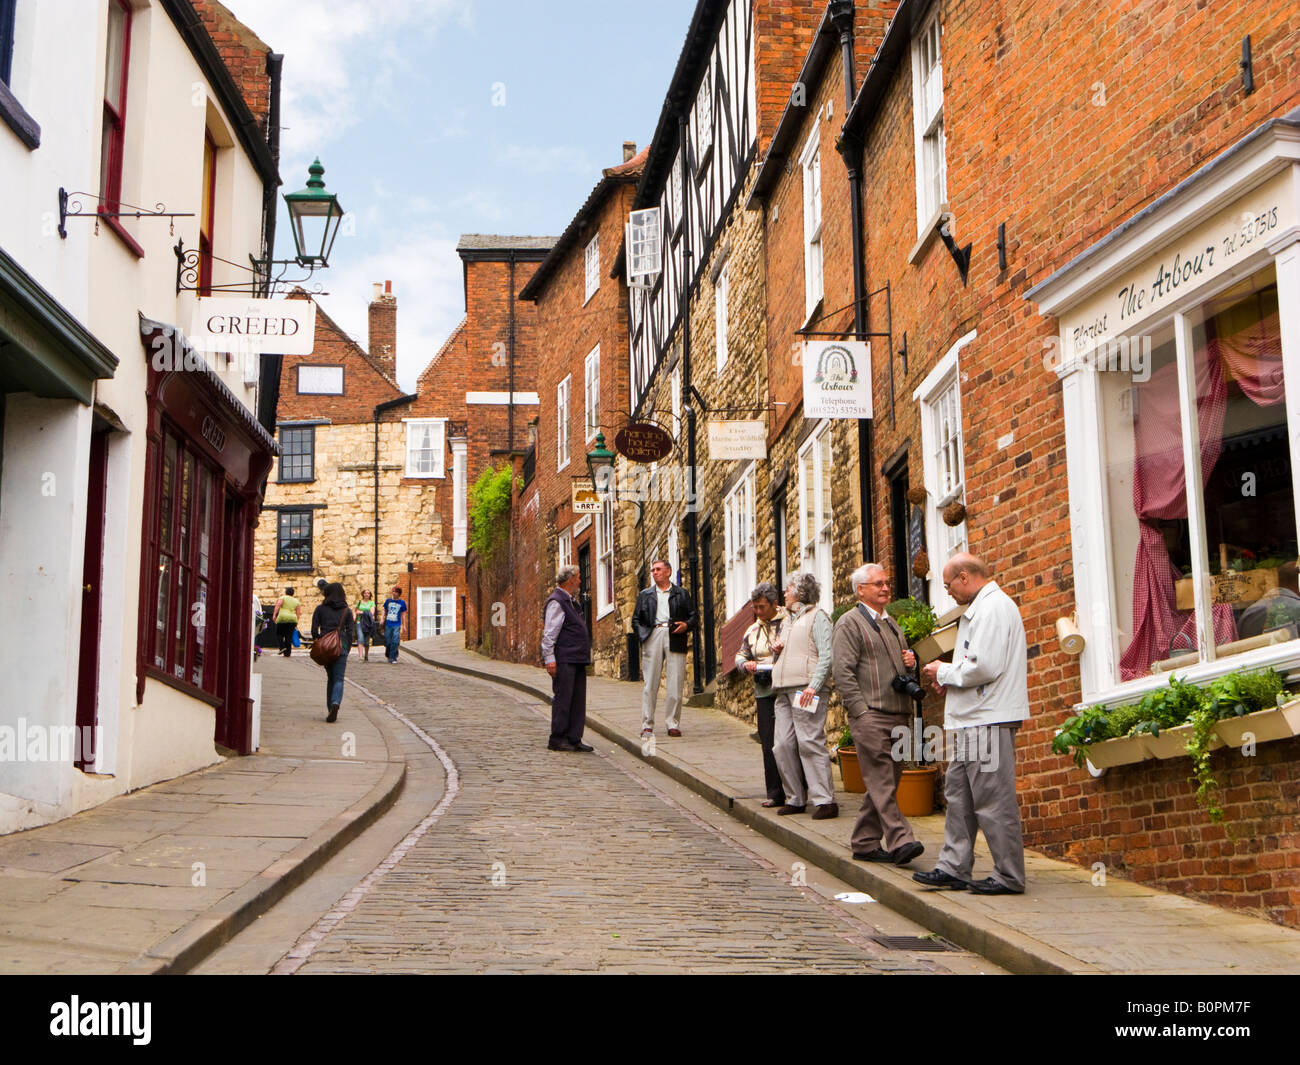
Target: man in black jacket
(663, 618)
(566, 652)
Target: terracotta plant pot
(916, 791)
(850, 770)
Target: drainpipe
(510, 399)
(381, 408)
(851, 147)
(688, 408)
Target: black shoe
(877, 855)
(560, 745)
(788, 809)
(989, 886)
(333, 715)
(584, 748)
(904, 854)
(938, 878)
(825, 811)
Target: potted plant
(931, 637)
(850, 771)
(916, 789)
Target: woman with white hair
(800, 682)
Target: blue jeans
(334, 678)
(392, 639)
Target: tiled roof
(496, 242)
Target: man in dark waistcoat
(566, 651)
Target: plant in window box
(1255, 704)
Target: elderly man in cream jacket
(986, 697)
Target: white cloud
(555, 159)
(427, 281)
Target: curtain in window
(1248, 348)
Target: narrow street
(554, 862)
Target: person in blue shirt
(394, 608)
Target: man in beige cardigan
(868, 653)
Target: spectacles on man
(947, 585)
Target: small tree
(489, 511)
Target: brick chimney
(629, 151)
(383, 327)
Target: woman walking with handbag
(332, 631)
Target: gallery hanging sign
(836, 379)
(239, 324)
(737, 440)
(643, 442)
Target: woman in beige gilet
(801, 684)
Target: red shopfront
(207, 462)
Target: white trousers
(800, 740)
(654, 655)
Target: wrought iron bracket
(70, 206)
(190, 260)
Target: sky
(435, 118)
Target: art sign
(836, 379)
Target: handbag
(297, 638)
(328, 648)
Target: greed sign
(235, 324)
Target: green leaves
(915, 618)
(489, 511)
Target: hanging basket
(954, 514)
(917, 496)
(920, 565)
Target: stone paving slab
(115, 889)
(1062, 924)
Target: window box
(1171, 743)
(1124, 751)
(1264, 725)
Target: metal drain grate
(913, 943)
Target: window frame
(605, 543)
(740, 541)
(564, 548)
(562, 394)
(440, 467)
(810, 168)
(591, 405)
(295, 567)
(284, 430)
(207, 218)
(113, 125)
(704, 120)
(460, 495)
(815, 551)
(591, 268)
(929, 134)
(943, 539)
(447, 594)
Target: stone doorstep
(968, 921)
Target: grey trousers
(800, 740)
(880, 823)
(980, 788)
(654, 656)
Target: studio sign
(643, 442)
(283, 327)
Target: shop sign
(836, 379)
(737, 440)
(585, 498)
(252, 326)
(643, 442)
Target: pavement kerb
(1003, 946)
(188, 946)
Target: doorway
(706, 609)
(92, 602)
(584, 572)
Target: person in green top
(365, 612)
(286, 620)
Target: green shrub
(915, 618)
(489, 511)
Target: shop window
(1230, 520)
(297, 453)
(182, 542)
(293, 540)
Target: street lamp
(314, 216)
(600, 465)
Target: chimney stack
(629, 151)
(383, 327)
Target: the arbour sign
(240, 324)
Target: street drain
(913, 943)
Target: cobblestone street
(563, 862)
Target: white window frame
(605, 559)
(704, 116)
(815, 549)
(591, 408)
(643, 232)
(927, 124)
(938, 394)
(440, 447)
(721, 301)
(676, 189)
(674, 552)
(811, 166)
(564, 549)
(562, 423)
(448, 595)
(740, 546)
(460, 496)
(591, 268)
